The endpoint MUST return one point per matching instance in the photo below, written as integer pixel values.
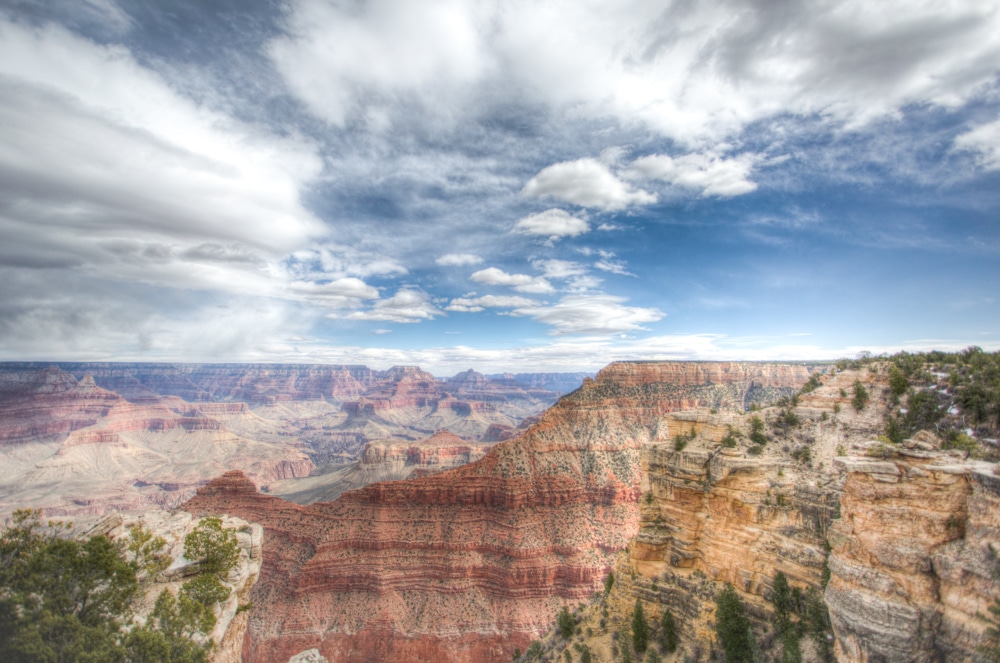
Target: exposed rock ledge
(911, 566)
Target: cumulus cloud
(559, 269)
(591, 314)
(984, 141)
(458, 259)
(552, 223)
(347, 292)
(407, 305)
(587, 183)
(707, 173)
(520, 282)
(476, 304)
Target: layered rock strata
(716, 516)
(470, 564)
(912, 569)
(383, 460)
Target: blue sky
(504, 185)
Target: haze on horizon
(504, 185)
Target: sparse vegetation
(882, 451)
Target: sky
(517, 185)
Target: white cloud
(591, 314)
(356, 60)
(552, 223)
(707, 173)
(107, 171)
(347, 292)
(587, 183)
(693, 72)
(984, 140)
(520, 282)
(407, 305)
(458, 259)
(559, 269)
(613, 266)
(474, 305)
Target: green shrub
(68, 600)
(565, 622)
(898, 384)
(881, 450)
(861, 397)
(216, 548)
(963, 442)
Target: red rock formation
(469, 564)
(48, 404)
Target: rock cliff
(470, 564)
(911, 566)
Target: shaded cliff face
(470, 564)
(911, 565)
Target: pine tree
(791, 652)
(782, 599)
(732, 626)
(640, 629)
(566, 623)
(668, 633)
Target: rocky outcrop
(911, 565)
(173, 527)
(470, 564)
(711, 516)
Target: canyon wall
(911, 565)
(470, 564)
(81, 438)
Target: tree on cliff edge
(640, 628)
(732, 626)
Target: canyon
(473, 563)
(87, 438)
(677, 477)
